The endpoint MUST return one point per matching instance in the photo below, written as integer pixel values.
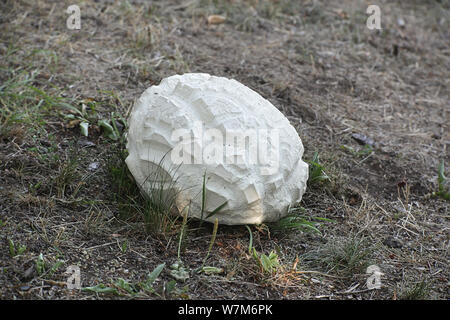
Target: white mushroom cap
(195, 124)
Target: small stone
(93, 166)
(85, 143)
(363, 140)
(393, 242)
(29, 273)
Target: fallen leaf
(216, 19)
(85, 143)
(363, 140)
(73, 123)
(402, 183)
(294, 267)
(341, 13)
(212, 270)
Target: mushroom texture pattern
(220, 148)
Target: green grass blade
(213, 239)
(216, 210)
(100, 288)
(250, 244)
(203, 195)
(155, 273)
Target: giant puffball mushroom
(217, 149)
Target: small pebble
(393, 242)
(93, 166)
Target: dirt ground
(372, 103)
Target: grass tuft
(342, 256)
(316, 171)
(415, 291)
(297, 222)
(443, 190)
